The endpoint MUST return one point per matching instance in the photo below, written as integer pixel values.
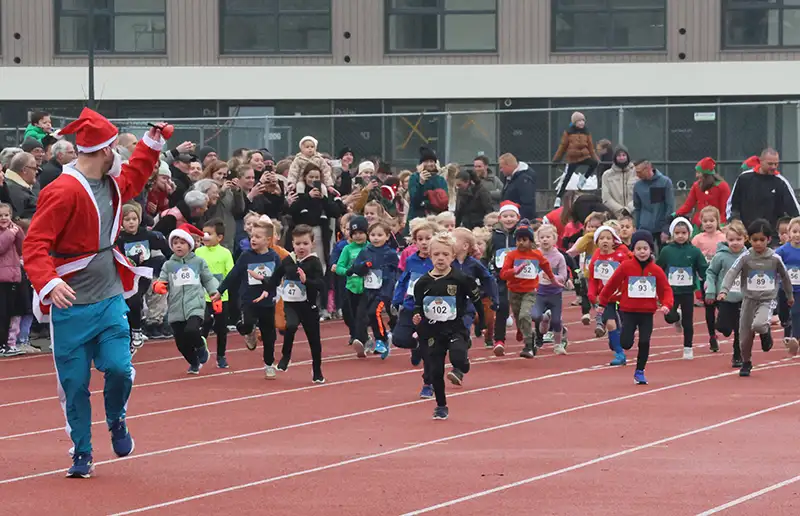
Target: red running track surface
(552, 435)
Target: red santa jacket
(625, 279)
(600, 273)
(716, 196)
(67, 223)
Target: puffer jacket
(299, 164)
(576, 145)
(719, 266)
(618, 188)
(188, 299)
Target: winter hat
(31, 143)
(642, 235)
(163, 169)
(611, 230)
(508, 206)
(389, 192)
(92, 131)
(751, 163)
(577, 116)
(345, 150)
(358, 223)
(524, 230)
(679, 220)
(203, 153)
(365, 166)
(267, 155)
(185, 232)
(427, 154)
(627, 161)
(706, 166)
(308, 138)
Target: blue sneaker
(416, 357)
(619, 360)
(441, 413)
(638, 377)
(222, 362)
(382, 349)
(82, 466)
(121, 439)
(426, 393)
(202, 353)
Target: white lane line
(424, 444)
(602, 458)
(748, 497)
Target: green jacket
(35, 132)
(189, 279)
(684, 256)
(719, 266)
(355, 284)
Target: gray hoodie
(722, 262)
(189, 280)
(760, 274)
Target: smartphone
(317, 185)
(336, 163)
(269, 168)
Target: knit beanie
(358, 223)
(524, 230)
(345, 150)
(577, 116)
(308, 139)
(642, 235)
(706, 166)
(203, 152)
(427, 154)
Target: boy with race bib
(441, 298)
(501, 242)
(760, 270)
(643, 285)
(354, 285)
(377, 264)
(521, 273)
(254, 264)
(684, 264)
(220, 263)
(790, 254)
(608, 256)
(187, 279)
(728, 311)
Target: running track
(553, 435)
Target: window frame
(610, 11)
(224, 11)
(441, 11)
(748, 5)
(59, 12)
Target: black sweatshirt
(292, 288)
(436, 297)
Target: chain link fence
(673, 136)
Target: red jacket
(158, 197)
(624, 282)
(519, 284)
(554, 219)
(716, 196)
(616, 257)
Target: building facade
(638, 67)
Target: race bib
(761, 281)
(439, 308)
(412, 282)
(134, 249)
(529, 271)
(736, 288)
(794, 275)
(642, 287)
(293, 291)
(604, 269)
(500, 257)
(681, 276)
(374, 279)
(265, 269)
(185, 276)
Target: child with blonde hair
(547, 307)
(447, 220)
(309, 154)
(491, 219)
(790, 254)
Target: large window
(758, 23)
(120, 26)
(275, 26)
(609, 25)
(441, 26)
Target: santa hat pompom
(389, 192)
(92, 131)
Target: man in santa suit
(80, 279)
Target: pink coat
(10, 252)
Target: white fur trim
(308, 138)
(183, 235)
(609, 229)
(508, 207)
(677, 221)
(153, 144)
(95, 148)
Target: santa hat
(706, 166)
(185, 232)
(308, 139)
(92, 131)
(389, 192)
(509, 206)
(617, 239)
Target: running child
(354, 286)
(417, 265)
(790, 254)
(440, 302)
(708, 241)
(547, 308)
(520, 271)
(780, 310)
(377, 264)
(336, 283)
(447, 220)
(610, 254)
(684, 264)
(626, 230)
(584, 247)
(760, 270)
(257, 314)
(501, 243)
(643, 285)
(186, 278)
(220, 263)
(727, 321)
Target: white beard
(116, 167)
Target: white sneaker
(688, 353)
(793, 346)
(560, 349)
(509, 322)
(251, 340)
(269, 372)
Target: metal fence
(673, 136)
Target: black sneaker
(766, 341)
(713, 345)
(318, 378)
(746, 368)
(152, 331)
(736, 362)
(538, 342)
(166, 330)
(526, 353)
(441, 413)
(456, 377)
(283, 365)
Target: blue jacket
(416, 267)
(249, 287)
(474, 269)
(336, 252)
(653, 203)
(378, 265)
(791, 259)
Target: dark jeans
(631, 321)
(220, 324)
(308, 315)
(571, 168)
(188, 338)
(686, 304)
